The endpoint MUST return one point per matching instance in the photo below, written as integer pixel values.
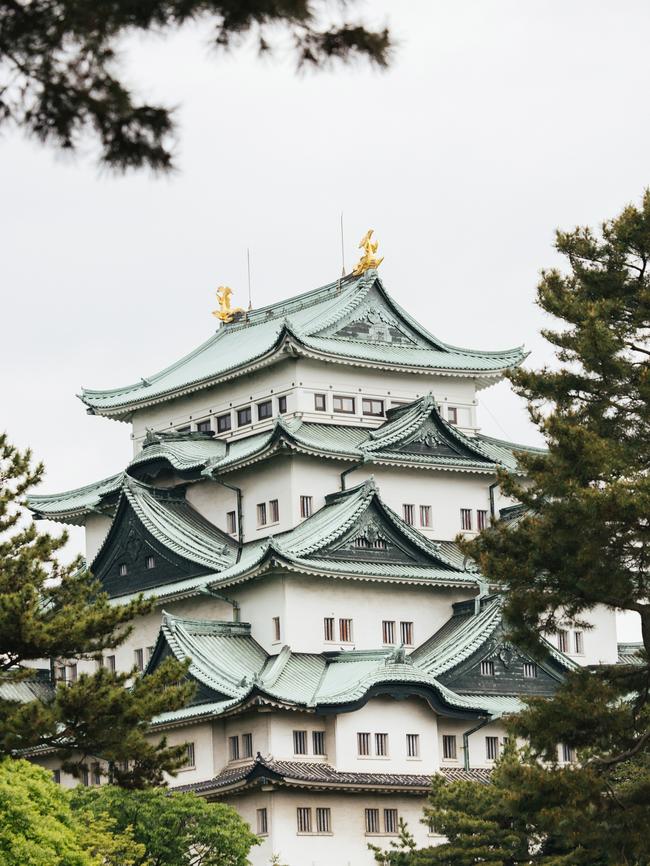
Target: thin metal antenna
(248, 262)
(342, 248)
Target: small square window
(300, 742)
(320, 402)
(231, 522)
(466, 519)
(138, 656)
(449, 747)
(388, 632)
(274, 508)
(204, 427)
(244, 416)
(452, 414)
(328, 628)
(363, 745)
(372, 820)
(262, 822)
(318, 742)
(372, 407)
(276, 628)
(346, 405)
(381, 745)
(224, 422)
(282, 405)
(345, 630)
(150, 562)
(323, 819)
(124, 569)
(247, 745)
(487, 668)
(491, 748)
(306, 506)
(530, 670)
(261, 514)
(412, 745)
(391, 821)
(408, 512)
(406, 633)
(233, 748)
(264, 410)
(425, 516)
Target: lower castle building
(296, 488)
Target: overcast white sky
(498, 122)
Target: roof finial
(368, 260)
(225, 313)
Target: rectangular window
(466, 518)
(124, 570)
(568, 754)
(304, 819)
(231, 522)
(487, 668)
(578, 643)
(344, 404)
(247, 745)
(408, 512)
(563, 641)
(244, 416)
(530, 670)
(452, 414)
(138, 656)
(449, 747)
(300, 742)
(345, 630)
(318, 742)
(388, 631)
(190, 759)
(233, 748)
(96, 774)
(372, 407)
(150, 650)
(381, 745)
(320, 402)
(109, 662)
(328, 628)
(391, 821)
(282, 405)
(481, 520)
(306, 506)
(363, 745)
(224, 423)
(372, 820)
(425, 516)
(276, 628)
(323, 819)
(204, 427)
(261, 514)
(150, 562)
(84, 775)
(406, 633)
(491, 748)
(72, 673)
(262, 822)
(274, 508)
(412, 745)
(264, 410)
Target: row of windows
(240, 747)
(345, 630)
(566, 645)
(530, 669)
(242, 417)
(466, 517)
(376, 745)
(319, 821)
(149, 563)
(268, 512)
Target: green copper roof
(353, 320)
(73, 506)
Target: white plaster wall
(477, 748)
(600, 641)
(204, 767)
(97, 526)
(260, 600)
(309, 600)
(397, 719)
(213, 501)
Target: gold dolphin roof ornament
(368, 260)
(225, 313)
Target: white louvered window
(381, 745)
(563, 641)
(530, 670)
(372, 820)
(323, 819)
(190, 758)
(247, 745)
(274, 508)
(578, 643)
(466, 519)
(318, 742)
(391, 821)
(406, 633)
(261, 514)
(300, 742)
(487, 668)
(233, 748)
(363, 744)
(276, 628)
(491, 748)
(306, 506)
(568, 754)
(481, 519)
(138, 657)
(449, 747)
(388, 631)
(328, 628)
(425, 516)
(262, 822)
(408, 512)
(303, 815)
(231, 522)
(345, 630)
(412, 745)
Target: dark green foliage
(51, 611)
(174, 829)
(58, 61)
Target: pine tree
(58, 59)
(50, 611)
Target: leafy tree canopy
(59, 76)
(54, 611)
(173, 829)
